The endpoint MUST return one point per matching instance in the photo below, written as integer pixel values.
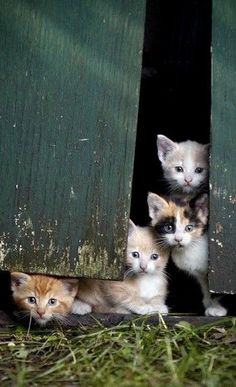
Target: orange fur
(43, 289)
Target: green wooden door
(69, 78)
(222, 273)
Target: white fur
(142, 309)
(80, 307)
(194, 260)
(151, 289)
(150, 286)
(149, 309)
(216, 310)
(187, 154)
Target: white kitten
(182, 230)
(185, 164)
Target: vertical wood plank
(222, 274)
(69, 78)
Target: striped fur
(43, 289)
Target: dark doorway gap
(175, 100)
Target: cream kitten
(144, 288)
(185, 165)
(182, 230)
(43, 297)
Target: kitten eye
(179, 168)
(52, 301)
(154, 257)
(135, 254)
(189, 227)
(198, 170)
(31, 300)
(168, 228)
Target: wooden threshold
(109, 320)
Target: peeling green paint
(68, 133)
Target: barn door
(222, 274)
(70, 74)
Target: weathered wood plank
(222, 274)
(69, 78)
(108, 320)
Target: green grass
(130, 354)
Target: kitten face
(185, 164)
(44, 298)
(143, 254)
(178, 226)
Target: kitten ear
(71, 285)
(164, 145)
(201, 205)
(132, 227)
(18, 279)
(155, 204)
(201, 202)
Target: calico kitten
(185, 165)
(182, 230)
(42, 297)
(144, 288)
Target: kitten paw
(150, 309)
(216, 310)
(143, 309)
(80, 307)
(161, 309)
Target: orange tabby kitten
(44, 298)
(144, 288)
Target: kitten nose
(143, 266)
(40, 313)
(178, 238)
(188, 179)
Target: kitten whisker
(69, 319)
(173, 189)
(129, 273)
(21, 315)
(162, 243)
(29, 326)
(58, 319)
(166, 275)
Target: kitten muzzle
(143, 269)
(41, 320)
(178, 245)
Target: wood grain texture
(69, 78)
(222, 274)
